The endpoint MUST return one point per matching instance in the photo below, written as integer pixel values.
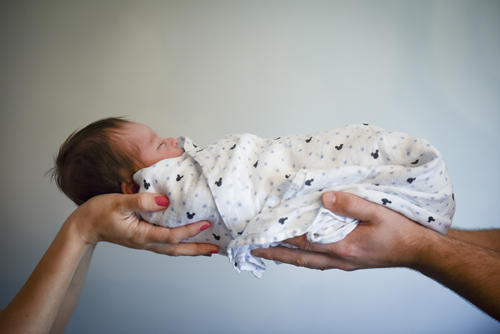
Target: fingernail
(329, 198)
(214, 252)
(204, 227)
(162, 200)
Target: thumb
(144, 202)
(349, 205)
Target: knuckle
(346, 267)
(300, 261)
(142, 200)
(138, 236)
(351, 203)
(173, 237)
(174, 252)
(347, 256)
(345, 252)
(173, 240)
(377, 211)
(116, 206)
(305, 245)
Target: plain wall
(209, 68)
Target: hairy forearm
(484, 238)
(35, 307)
(471, 271)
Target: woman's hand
(47, 299)
(383, 238)
(111, 218)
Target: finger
(144, 202)
(296, 257)
(160, 234)
(186, 249)
(301, 242)
(349, 205)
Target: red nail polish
(162, 200)
(204, 227)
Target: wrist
(420, 246)
(78, 229)
(426, 247)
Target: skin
(47, 300)
(151, 148)
(467, 262)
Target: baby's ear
(130, 187)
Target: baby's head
(102, 158)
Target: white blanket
(258, 192)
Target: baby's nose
(171, 141)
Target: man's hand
(383, 238)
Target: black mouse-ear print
(385, 201)
(219, 183)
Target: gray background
(208, 68)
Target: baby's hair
(94, 160)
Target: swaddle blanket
(258, 192)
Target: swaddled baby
(258, 192)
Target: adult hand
(383, 238)
(47, 299)
(111, 218)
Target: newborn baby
(258, 192)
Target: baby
(258, 192)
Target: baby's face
(152, 147)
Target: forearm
(471, 271)
(484, 238)
(73, 292)
(35, 307)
